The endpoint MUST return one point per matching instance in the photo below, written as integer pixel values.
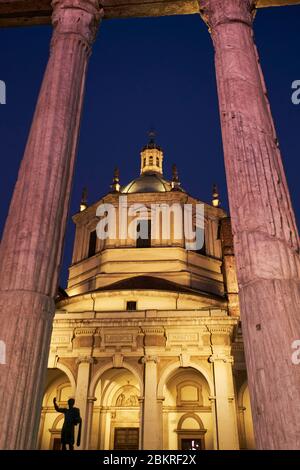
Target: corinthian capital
(77, 17)
(216, 12)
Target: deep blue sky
(148, 73)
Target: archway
(116, 414)
(57, 385)
(245, 418)
(187, 411)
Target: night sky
(148, 73)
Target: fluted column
(265, 234)
(32, 242)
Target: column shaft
(151, 415)
(81, 395)
(225, 406)
(32, 242)
(89, 421)
(265, 234)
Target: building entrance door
(126, 439)
(191, 444)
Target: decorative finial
(175, 178)
(83, 202)
(216, 197)
(116, 181)
(152, 135)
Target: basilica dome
(148, 183)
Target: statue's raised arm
(57, 408)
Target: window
(144, 162)
(150, 160)
(131, 305)
(92, 243)
(202, 251)
(157, 161)
(143, 229)
(126, 439)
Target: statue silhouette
(72, 418)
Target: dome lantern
(152, 157)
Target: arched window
(92, 243)
(150, 160)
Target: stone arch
(193, 416)
(200, 431)
(172, 368)
(56, 421)
(49, 389)
(108, 366)
(116, 394)
(49, 384)
(111, 389)
(196, 436)
(68, 373)
(57, 379)
(247, 438)
(241, 393)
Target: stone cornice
(210, 325)
(37, 12)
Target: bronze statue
(72, 418)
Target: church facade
(147, 335)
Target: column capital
(91, 399)
(222, 358)
(160, 399)
(146, 359)
(216, 12)
(77, 17)
(85, 360)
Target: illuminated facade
(147, 336)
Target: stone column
(160, 413)
(32, 242)
(227, 429)
(89, 421)
(81, 394)
(141, 421)
(214, 421)
(241, 426)
(151, 416)
(266, 240)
